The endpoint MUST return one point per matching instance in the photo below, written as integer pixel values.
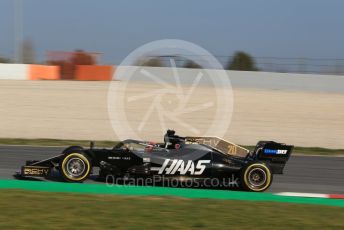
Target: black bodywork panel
(177, 157)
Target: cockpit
(173, 141)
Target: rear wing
(219, 144)
(277, 154)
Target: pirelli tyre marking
(257, 177)
(75, 167)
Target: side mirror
(91, 144)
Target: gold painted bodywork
(220, 145)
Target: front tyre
(256, 177)
(75, 167)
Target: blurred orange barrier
(43, 72)
(94, 72)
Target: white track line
(299, 194)
(311, 195)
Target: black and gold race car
(201, 159)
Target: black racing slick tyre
(256, 177)
(75, 167)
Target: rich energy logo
(183, 167)
(36, 171)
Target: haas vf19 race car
(180, 158)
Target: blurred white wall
(13, 71)
(244, 79)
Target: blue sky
(293, 28)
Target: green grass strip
(161, 191)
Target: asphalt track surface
(311, 174)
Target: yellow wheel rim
(268, 177)
(75, 155)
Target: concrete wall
(287, 81)
(243, 79)
(46, 72)
(78, 110)
(13, 71)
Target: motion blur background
(280, 36)
(285, 61)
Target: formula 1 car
(180, 158)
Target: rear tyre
(75, 167)
(256, 177)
